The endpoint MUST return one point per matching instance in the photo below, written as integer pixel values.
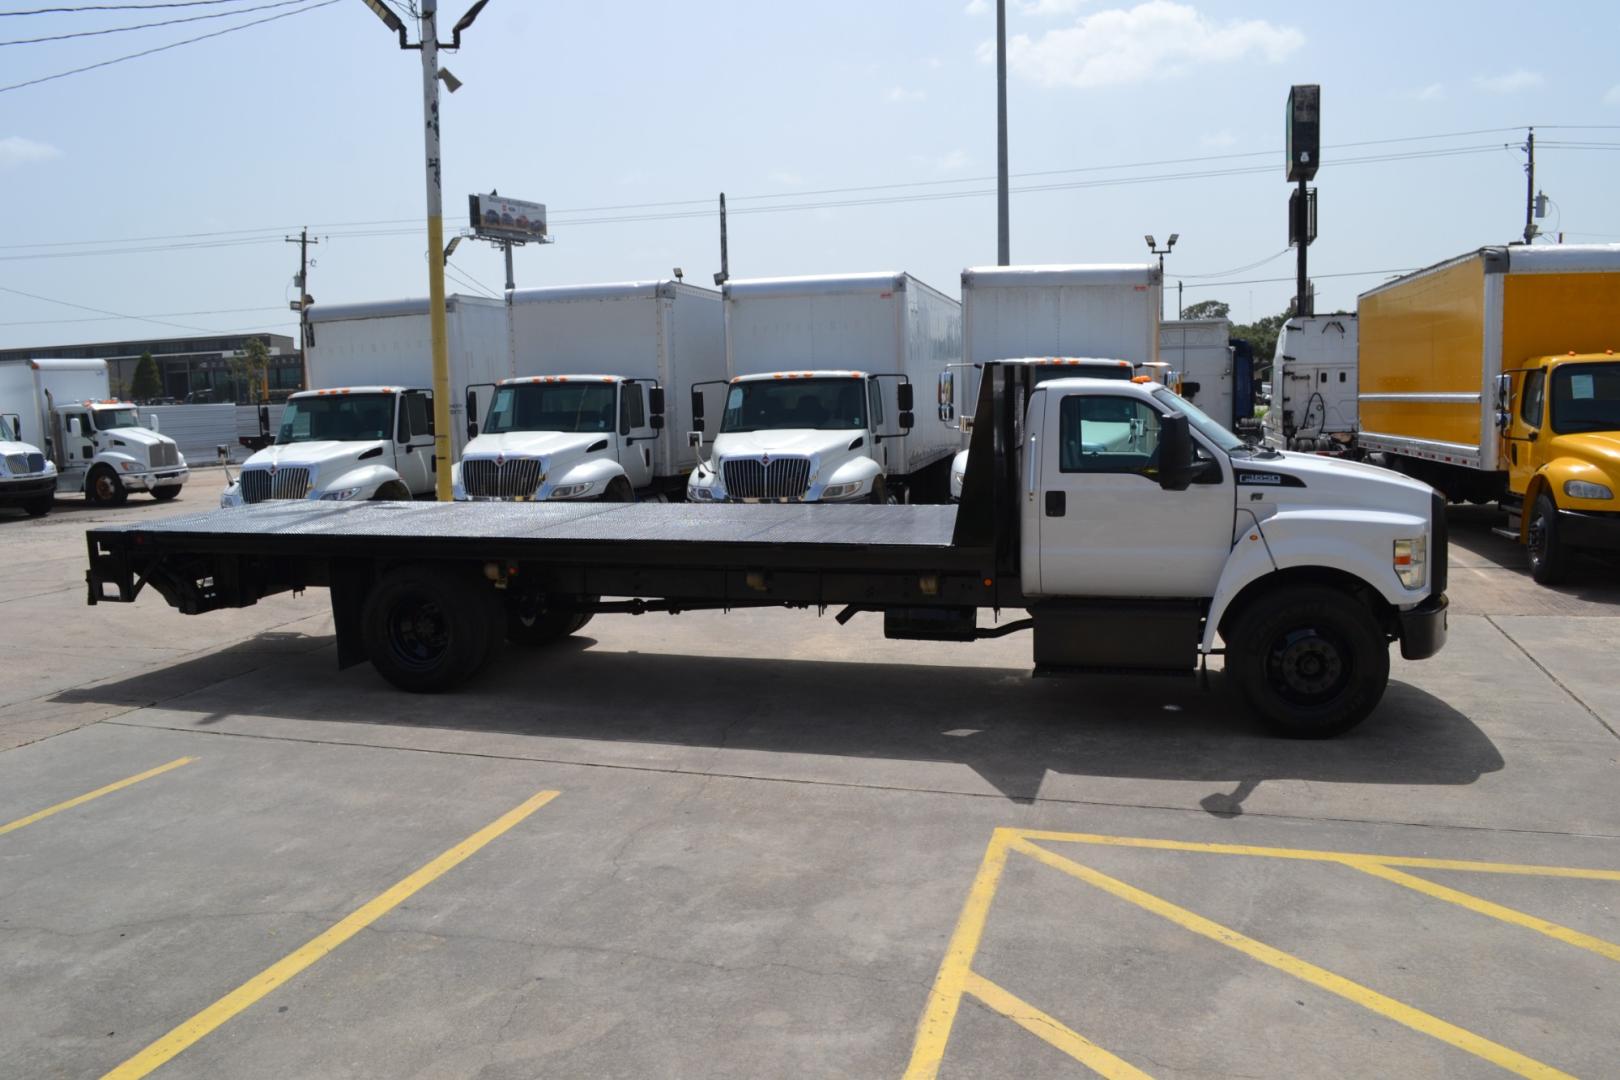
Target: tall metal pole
(1003, 240)
(1302, 303)
(435, 223)
(507, 247)
(1530, 188)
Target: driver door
(1524, 429)
(1104, 525)
(636, 435)
(414, 442)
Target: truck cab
(1041, 369)
(1558, 419)
(104, 450)
(27, 476)
(802, 436)
(347, 444)
(575, 437)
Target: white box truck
(365, 428)
(1050, 318)
(1199, 351)
(1314, 384)
(819, 403)
(586, 416)
(99, 445)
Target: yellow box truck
(1493, 377)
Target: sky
(849, 135)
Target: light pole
(1169, 246)
(431, 74)
(1003, 228)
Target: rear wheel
(164, 494)
(426, 628)
(1549, 558)
(103, 488)
(1311, 662)
(529, 624)
(41, 506)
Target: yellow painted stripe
(934, 1029)
(1367, 998)
(1486, 907)
(290, 965)
(1052, 1031)
(1323, 856)
(13, 826)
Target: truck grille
(783, 478)
(259, 485)
(514, 478)
(164, 455)
(25, 463)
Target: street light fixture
(1153, 246)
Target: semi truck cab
(1558, 418)
(347, 444)
(27, 476)
(573, 437)
(801, 436)
(102, 449)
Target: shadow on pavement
(1595, 576)
(1008, 728)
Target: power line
(150, 25)
(116, 7)
(119, 318)
(1314, 277)
(104, 311)
(165, 48)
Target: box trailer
(1315, 386)
(1199, 351)
(598, 409)
(823, 372)
(1493, 376)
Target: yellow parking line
(1486, 907)
(13, 826)
(1052, 1031)
(1401, 1013)
(1323, 856)
(934, 1029)
(290, 965)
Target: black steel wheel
(530, 624)
(1311, 662)
(1549, 558)
(103, 488)
(164, 494)
(426, 628)
(41, 506)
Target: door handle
(1056, 503)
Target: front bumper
(1583, 530)
(150, 480)
(17, 492)
(1423, 629)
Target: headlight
(1412, 562)
(699, 494)
(339, 495)
(1585, 489)
(841, 491)
(126, 465)
(570, 491)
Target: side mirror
(472, 414)
(152, 421)
(656, 421)
(697, 408)
(907, 420)
(694, 439)
(655, 403)
(947, 396)
(697, 424)
(74, 427)
(1176, 465)
(903, 393)
(264, 421)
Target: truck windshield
(1046, 372)
(1201, 421)
(552, 407)
(823, 404)
(338, 418)
(1586, 397)
(8, 431)
(107, 419)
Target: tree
(1207, 309)
(249, 367)
(146, 383)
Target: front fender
(368, 478)
(860, 469)
(599, 472)
(1564, 468)
(1360, 543)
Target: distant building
(191, 368)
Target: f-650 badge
(1267, 479)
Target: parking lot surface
(761, 844)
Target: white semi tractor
(598, 410)
(27, 476)
(367, 432)
(99, 445)
(819, 403)
(1314, 384)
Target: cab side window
(1104, 434)
(874, 395)
(1530, 410)
(417, 416)
(632, 408)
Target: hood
(9, 447)
(137, 436)
(1315, 478)
(1600, 448)
(311, 453)
(797, 441)
(533, 444)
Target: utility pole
(1530, 186)
(303, 241)
(1302, 286)
(1154, 248)
(1003, 240)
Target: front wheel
(164, 494)
(1311, 662)
(103, 488)
(881, 496)
(427, 629)
(1549, 558)
(41, 506)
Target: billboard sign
(496, 217)
(1302, 125)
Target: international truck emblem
(500, 458)
(273, 468)
(764, 459)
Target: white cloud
(1217, 140)
(1050, 7)
(1154, 40)
(1613, 96)
(1511, 83)
(899, 95)
(977, 7)
(953, 161)
(1433, 92)
(16, 150)
(786, 178)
